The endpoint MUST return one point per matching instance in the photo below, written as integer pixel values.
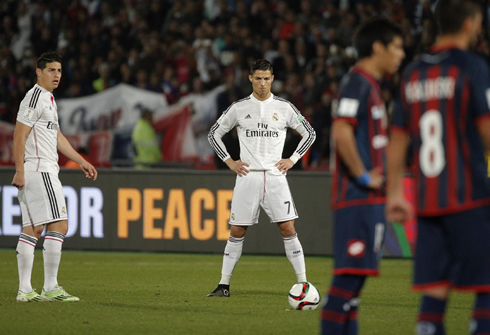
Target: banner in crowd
(180, 211)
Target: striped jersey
(359, 103)
(38, 110)
(261, 127)
(443, 96)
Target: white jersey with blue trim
(39, 111)
(261, 127)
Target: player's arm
(483, 127)
(20, 135)
(345, 143)
(66, 149)
(397, 208)
(308, 136)
(224, 124)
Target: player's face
(261, 84)
(392, 55)
(49, 77)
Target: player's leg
(340, 307)
(231, 256)
(293, 248)
(470, 270)
(432, 267)
(52, 247)
(358, 240)
(25, 260)
(278, 203)
(244, 213)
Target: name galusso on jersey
(430, 89)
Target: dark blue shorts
(359, 235)
(454, 250)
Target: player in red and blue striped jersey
(444, 108)
(358, 196)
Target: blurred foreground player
(262, 120)
(360, 137)
(443, 113)
(37, 138)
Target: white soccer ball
(304, 296)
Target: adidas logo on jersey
(248, 116)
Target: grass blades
(150, 293)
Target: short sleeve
(28, 115)
(350, 105)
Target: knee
(37, 231)
(238, 231)
(287, 228)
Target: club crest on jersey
(63, 210)
(233, 216)
(275, 117)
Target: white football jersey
(38, 110)
(261, 127)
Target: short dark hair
(451, 14)
(376, 29)
(262, 65)
(48, 57)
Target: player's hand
(377, 178)
(18, 180)
(239, 167)
(89, 170)
(284, 165)
(398, 209)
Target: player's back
(443, 96)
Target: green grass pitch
(151, 293)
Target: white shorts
(42, 200)
(256, 189)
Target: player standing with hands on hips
(262, 120)
(37, 138)
(443, 112)
(360, 137)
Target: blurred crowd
(177, 47)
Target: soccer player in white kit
(37, 138)
(262, 120)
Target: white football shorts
(259, 189)
(42, 200)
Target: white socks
(233, 251)
(25, 260)
(53, 243)
(294, 252)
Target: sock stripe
(236, 239)
(341, 293)
(28, 239)
(481, 313)
(333, 316)
(352, 315)
(431, 317)
(288, 238)
(55, 236)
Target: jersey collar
(265, 101)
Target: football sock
(233, 251)
(351, 326)
(25, 260)
(337, 305)
(431, 316)
(294, 252)
(53, 242)
(480, 324)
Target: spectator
(145, 142)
